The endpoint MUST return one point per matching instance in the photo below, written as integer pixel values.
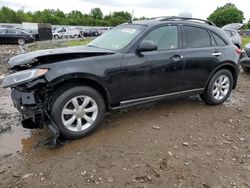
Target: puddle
(13, 137)
(14, 141)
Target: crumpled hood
(27, 58)
(234, 26)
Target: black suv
(134, 63)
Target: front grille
(248, 52)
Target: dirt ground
(178, 143)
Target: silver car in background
(232, 31)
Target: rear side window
(11, 31)
(165, 37)
(218, 40)
(195, 37)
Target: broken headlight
(22, 77)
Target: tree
(227, 14)
(248, 24)
(58, 17)
(8, 15)
(96, 13)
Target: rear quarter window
(195, 37)
(218, 40)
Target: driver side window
(165, 37)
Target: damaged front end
(29, 93)
(29, 104)
(30, 99)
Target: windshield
(58, 30)
(118, 38)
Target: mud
(177, 143)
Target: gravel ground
(177, 143)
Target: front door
(156, 72)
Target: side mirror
(248, 45)
(147, 46)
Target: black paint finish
(125, 75)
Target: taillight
(238, 51)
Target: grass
(245, 41)
(78, 42)
(57, 44)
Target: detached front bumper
(32, 113)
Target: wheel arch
(72, 80)
(229, 66)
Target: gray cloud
(14, 4)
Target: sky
(147, 8)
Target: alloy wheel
(21, 41)
(221, 87)
(79, 113)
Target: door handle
(216, 54)
(177, 58)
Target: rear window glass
(196, 37)
(218, 40)
(229, 33)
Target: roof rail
(176, 18)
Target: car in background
(245, 33)
(7, 26)
(90, 32)
(15, 36)
(245, 58)
(104, 30)
(232, 32)
(65, 32)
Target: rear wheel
(219, 88)
(78, 111)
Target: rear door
(201, 56)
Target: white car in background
(232, 31)
(62, 32)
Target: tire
(56, 37)
(21, 41)
(219, 88)
(74, 123)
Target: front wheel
(219, 88)
(78, 111)
(21, 41)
